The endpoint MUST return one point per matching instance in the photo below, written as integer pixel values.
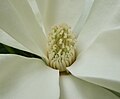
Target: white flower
(24, 25)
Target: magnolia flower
(88, 53)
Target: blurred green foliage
(4, 49)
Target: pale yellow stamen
(61, 47)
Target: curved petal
(63, 11)
(73, 88)
(34, 5)
(43, 7)
(104, 15)
(83, 17)
(8, 40)
(18, 20)
(25, 78)
(100, 64)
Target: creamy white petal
(33, 4)
(100, 64)
(104, 15)
(8, 40)
(63, 11)
(43, 6)
(74, 88)
(83, 17)
(18, 20)
(25, 78)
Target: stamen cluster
(61, 47)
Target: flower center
(61, 47)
